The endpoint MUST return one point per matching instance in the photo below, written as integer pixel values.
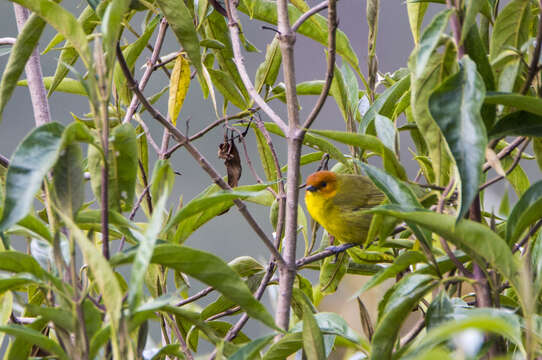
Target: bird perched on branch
(338, 201)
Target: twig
(531, 232)
(7, 41)
(332, 20)
(514, 164)
(533, 67)
(316, 9)
(146, 184)
(233, 24)
(147, 134)
(4, 161)
(330, 251)
(38, 95)
(506, 151)
(133, 213)
(199, 134)
(205, 165)
(195, 297)
(148, 71)
(184, 347)
(414, 331)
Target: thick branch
(38, 95)
(205, 165)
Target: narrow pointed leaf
(31, 161)
(518, 123)
(35, 337)
(178, 87)
(20, 53)
(430, 39)
(404, 296)
(455, 105)
(252, 349)
(527, 210)
(511, 27)
(520, 102)
(313, 341)
(68, 179)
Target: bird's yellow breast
(322, 210)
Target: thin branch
(184, 347)
(506, 151)
(514, 164)
(332, 23)
(199, 134)
(533, 67)
(148, 134)
(195, 297)
(330, 251)
(415, 330)
(133, 213)
(531, 232)
(314, 10)
(205, 165)
(38, 95)
(7, 41)
(148, 71)
(4, 162)
(233, 24)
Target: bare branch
(533, 67)
(332, 24)
(240, 63)
(148, 71)
(316, 9)
(514, 164)
(506, 151)
(330, 251)
(38, 95)
(7, 41)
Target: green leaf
(473, 7)
(267, 11)
(87, 19)
(518, 123)
(416, 12)
(112, 28)
(444, 332)
(313, 341)
(67, 85)
(269, 69)
(182, 24)
(526, 211)
(385, 103)
(520, 102)
(469, 236)
(131, 54)
(438, 67)
(162, 178)
(122, 168)
(266, 156)
(385, 130)
(314, 142)
(16, 283)
(537, 149)
(332, 272)
(430, 39)
(31, 161)
(68, 56)
(367, 142)
(37, 227)
(511, 27)
(35, 337)
(20, 53)
(398, 193)
(63, 22)
(59, 316)
(252, 349)
(463, 130)
(404, 296)
(210, 270)
(225, 84)
(203, 203)
(401, 263)
(68, 179)
(104, 278)
(144, 252)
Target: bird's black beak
(311, 188)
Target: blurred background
(228, 236)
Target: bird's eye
(323, 184)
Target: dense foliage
(469, 99)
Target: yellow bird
(337, 202)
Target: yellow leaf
(178, 87)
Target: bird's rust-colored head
(322, 183)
